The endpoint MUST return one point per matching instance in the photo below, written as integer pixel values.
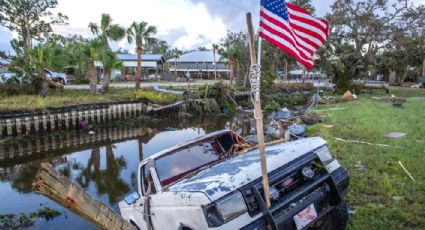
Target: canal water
(104, 163)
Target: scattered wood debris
(366, 143)
(407, 172)
(396, 101)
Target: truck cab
(214, 182)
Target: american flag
(292, 29)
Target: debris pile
(396, 101)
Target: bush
(155, 97)
(272, 106)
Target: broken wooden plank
(50, 183)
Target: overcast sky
(185, 24)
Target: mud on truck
(214, 182)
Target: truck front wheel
(336, 219)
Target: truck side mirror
(132, 198)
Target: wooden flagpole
(258, 113)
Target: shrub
(155, 97)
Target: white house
(200, 64)
(151, 64)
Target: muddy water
(105, 166)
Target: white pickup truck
(214, 182)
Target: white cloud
(165, 14)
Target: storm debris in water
(24, 220)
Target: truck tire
(336, 219)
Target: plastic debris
(298, 130)
(395, 135)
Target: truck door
(147, 188)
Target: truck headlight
(324, 155)
(225, 210)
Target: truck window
(185, 161)
(175, 166)
(147, 181)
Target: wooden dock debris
(63, 191)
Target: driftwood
(63, 191)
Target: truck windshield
(173, 167)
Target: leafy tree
(235, 50)
(107, 31)
(141, 33)
(28, 18)
(407, 46)
(306, 4)
(360, 31)
(157, 46)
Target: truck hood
(227, 176)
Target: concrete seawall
(17, 123)
(56, 119)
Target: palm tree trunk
(106, 81)
(92, 74)
(44, 87)
(215, 67)
(139, 67)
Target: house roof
(145, 57)
(198, 56)
(4, 62)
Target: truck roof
(227, 176)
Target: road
(145, 84)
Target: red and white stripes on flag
(293, 29)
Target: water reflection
(104, 179)
(105, 164)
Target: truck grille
(284, 182)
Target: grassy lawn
(81, 96)
(381, 193)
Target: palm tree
(215, 49)
(176, 57)
(110, 62)
(89, 53)
(232, 52)
(107, 31)
(140, 33)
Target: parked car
(8, 77)
(56, 76)
(215, 182)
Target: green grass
(382, 195)
(80, 96)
